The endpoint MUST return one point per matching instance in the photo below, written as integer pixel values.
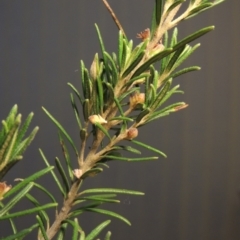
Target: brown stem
(113, 16)
(64, 212)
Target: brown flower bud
(97, 119)
(137, 98)
(132, 133)
(3, 189)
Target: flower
(137, 98)
(144, 34)
(97, 119)
(3, 189)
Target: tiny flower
(132, 133)
(97, 119)
(3, 189)
(137, 98)
(77, 173)
(144, 34)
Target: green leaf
(86, 109)
(95, 232)
(156, 17)
(142, 114)
(149, 147)
(62, 130)
(75, 110)
(66, 155)
(16, 199)
(131, 159)
(76, 92)
(99, 199)
(192, 37)
(153, 59)
(32, 178)
(134, 63)
(21, 148)
(100, 94)
(174, 59)
(111, 190)
(21, 234)
(91, 173)
(24, 128)
(199, 9)
(185, 70)
(63, 175)
(175, 4)
(127, 148)
(53, 174)
(29, 211)
(120, 48)
(109, 213)
(114, 71)
(42, 229)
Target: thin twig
(114, 16)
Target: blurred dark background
(195, 192)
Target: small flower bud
(137, 98)
(94, 69)
(132, 133)
(97, 119)
(77, 173)
(3, 189)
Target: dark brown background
(194, 193)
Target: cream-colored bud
(137, 98)
(94, 69)
(77, 173)
(97, 119)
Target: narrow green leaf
(42, 229)
(143, 114)
(76, 92)
(63, 131)
(121, 118)
(149, 147)
(86, 109)
(192, 37)
(66, 155)
(125, 94)
(103, 200)
(114, 71)
(44, 190)
(92, 172)
(174, 59)
(111, 190)
(21, 148)
(136, 79)
(199, 9)
(63, 175)
(21, 234)
(127, 148)
(100, 94)
(153, 59)
(87, 88)
(15, 200)
(134, 63)
(24, 128)
(75, 110)
(95, 232)
(53, 174)
(175, 4)
(28, 211)
(120, 48)
(109, 213)
(185, 70)
(131, 159)
(32, 178)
